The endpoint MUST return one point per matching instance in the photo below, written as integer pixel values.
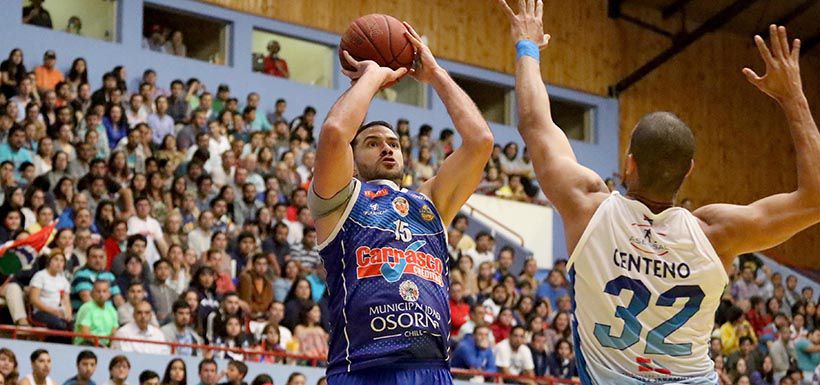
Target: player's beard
(377, 171)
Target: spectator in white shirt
(305, 170)
(512, 356)
(199, 239)
(483, 251)
(135, 113)
(49, 290)
(144, 224)
(141, 329)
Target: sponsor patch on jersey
(426, 213)
(374, 209)
(401, 206)
(376, 194)
(409, 291)
(391, 263)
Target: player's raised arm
(772, 220)
(334, 156)
(570, 186)
(460, 173)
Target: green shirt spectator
(97, 317)
(807, 352)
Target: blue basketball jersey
(387, 275)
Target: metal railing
(17, 331)
(473, 210)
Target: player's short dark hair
(180, 304)
(745, 339)
(368, 125)
(37, 353)
(663, 147)
(86, 355)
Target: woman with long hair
(104, 218)
(175, 373)
(463, 272)
(265, 160)
(115, 123)
(177, 192)
(562, 364)
(559, 329)
(43, 157)
(11, 225)
(12, 71)
(423, 166)
(8, 366)
(63, 193)
(59, 168)
(49, 293)
(283, 283)
(180, 271)
(309, 333)
(228, 193)
(764, 376)
(118, 168)
(35, 197)
(298, 299)
(14, 198)
(234, 337)
(264, 222)
(485, 280)
(204, 283)
(503, 324)
(168, 150)
(33, 115)
(122, 78)
(139, 185)
(523, 312)
(172, 230)
(271, 343)
(78, 74)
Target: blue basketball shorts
(393, 376)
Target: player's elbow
(332, 132)
(481, 143)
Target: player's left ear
(691, 168)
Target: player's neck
(655, 204)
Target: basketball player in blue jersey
(384, 247)
(647, 277)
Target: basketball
(379, 38)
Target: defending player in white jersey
(648, 276)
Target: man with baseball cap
(48, 75)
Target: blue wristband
(527, 48)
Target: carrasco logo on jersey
(391, 263)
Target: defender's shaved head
(663, 148)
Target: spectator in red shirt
(757, 315)
(459, 307)
(503, 324)
(273, 64)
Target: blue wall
(102, 56)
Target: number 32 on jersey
(631, 334)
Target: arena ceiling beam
(790, 16)
(671, 9)
(614, 11)
(681, 43)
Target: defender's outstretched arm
(571, 187)
(735, 229)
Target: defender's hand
(528, 24)
(782, 77)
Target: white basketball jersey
(646, 288)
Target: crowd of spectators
(119, 371)
(182, 218)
